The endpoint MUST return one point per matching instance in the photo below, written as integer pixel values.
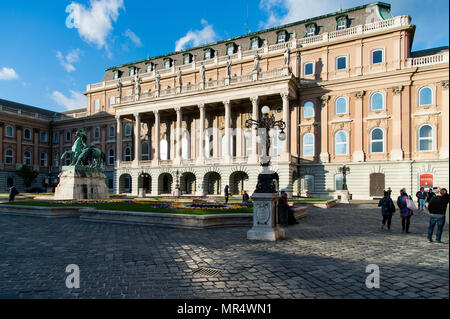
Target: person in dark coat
(387, 210)
(290, 211)
(430, 195)
(226, 194)
(421, 198)
(12, 193)
(405, 212)
(437, 208)
(245, 198)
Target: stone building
(347, 84)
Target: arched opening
(238, 182)
(165, 181)
(125, 183)
(188, 183)
(212, 183)
(145, 182)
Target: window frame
(45, 135)
(56, 137)
(371, 140)
(113, 156)
(113, 99)
(311, 145)
(45, 159)
(12, 131)
(382, 56)
(310, 27)
(31, 134)
(337, 62)
(30, 157)
(125, 130)
(432, 96)
(12, 157)
(432, 138)
(340, 20)
(65, 136)
(257, 41)
(125, 155)
(114, 130)
(147, 154)
(97, 130)
(282, 33)
(346, 105)
(313, 109)
(97, 105)
(336, 143)
(383, 103)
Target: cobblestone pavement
(324, 256)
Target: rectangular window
(311, 31)
(308, 68)
(255, 44)
(44, 137)
(149, 67)
(97, 105)
(207, 54)
(167, 64)
(187, 59)
(377, 56)
(230, 50)
(281, 37)
(112, 100)
(341, 63)
(56, 137)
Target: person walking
(387, 210)
(12, 193)
(389, 190)
(421, 199)
(405, 212)
(226, 194)
(245, 198)
(430, 195)
(437, 208)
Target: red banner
(426, 180)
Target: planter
(40, 211)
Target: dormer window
(167, 63)
(208, 54)
(281, 36)
(187, 58)
(149, 67)
(254, 43)
(131, 71)
(311, 30)
(116, 74)
(341, 23)
(231, 48)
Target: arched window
(97, 133)
(308, 144)
(56, 159)
(164, 150)
(27, 134)
(425, 96)
(145, 151)
(111, 156)
(425, 138)
(68, 136)
(9, 156)
(377, 101)
(112, 131)
(223, 145)
(128, 129)
(44, 159)
(308, 109)
(341, 105)
(340, 143)
(67, 159)
(127, 154)
(377, 140)
(9, 131)
(27, 159)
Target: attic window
(341, 23)
(231, 48)
(187, 58)
(254, 43)
(116, 74)
(131, 71)
(167, 63)
(281, 36)
(208, 54)
(149, 66)
(311, 30)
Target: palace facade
(347, 85)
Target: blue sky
(50, 50)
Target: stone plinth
(79, 182)
(265, 225)
(344, 196)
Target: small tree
(28, 175)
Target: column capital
(201, 106)
(444, 84)
(226, 102)
(397, 89)
(254, 99)
(324, 99)
(359, 94)
(156, 112)
(285, 95)
(118, 118)
(137, 115)
(177, 108)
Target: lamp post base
(265, 211)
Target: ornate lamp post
(177, 183)
(344, 193)
(265, 198)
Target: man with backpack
(387, 210)
(437, 208)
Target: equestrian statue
(84, 154)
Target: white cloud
(8, 74)
(76, 100)
(95, 23)
(197, 37)
(68, 61)
(133, 37)
(287, 11)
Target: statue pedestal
(265, 225)
(344, 196)
(79, 182)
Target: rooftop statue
(83, 154)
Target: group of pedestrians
(437, 206)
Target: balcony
(429, 60)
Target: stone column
(201, 151)
(157, 139)
(103, 132)
(324, 155)
(253, 158)
(227, 131)
(19, 154)
(358, 154)
(178, 135)
(118, 140)
(396, 150)
(444, 151)
(137, 139)
(286, 154)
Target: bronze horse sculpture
(84, 154)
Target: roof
(28, 108)
(340, 12)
